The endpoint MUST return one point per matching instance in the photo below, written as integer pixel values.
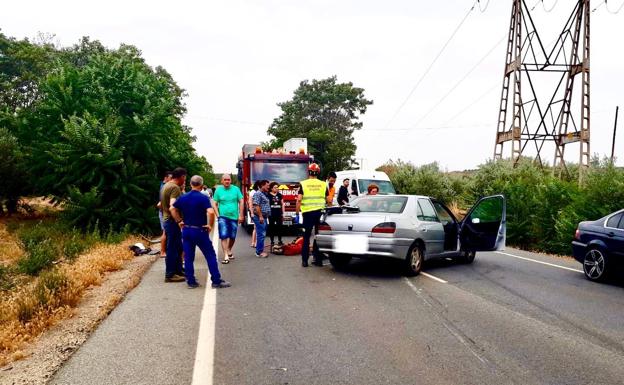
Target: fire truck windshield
(281, 172)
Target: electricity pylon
(551, 118)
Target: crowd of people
(188, 218)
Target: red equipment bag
(293, 248)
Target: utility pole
(617, 109)
(536, 119)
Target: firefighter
(310, 201)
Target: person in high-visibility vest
(311, 200)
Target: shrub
(51, 289)
(37, 258)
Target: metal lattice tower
(529, 121)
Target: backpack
(293, 248)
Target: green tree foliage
(99, 125)
(326, 113)
(13, 172)
(423, 180)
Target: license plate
(287, 223)
(351, 244)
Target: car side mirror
(476, 220)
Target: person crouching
(195, 216)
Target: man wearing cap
(195, 216)
(310, 201)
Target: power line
(225, 120)
(452, 89)
(424, 75)
(616, 12)
(551, 8)
(486, 6)
(433, 128)
(477, 100)
(607, 8)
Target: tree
(327, 114)
(96, 128)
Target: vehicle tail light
(384, 228)
(577, 234)
(324, 227)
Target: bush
(51, 288)
(542, 210)
(37, 258)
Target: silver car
(410, 228)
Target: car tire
(414, 261)
(339, 261)
(596, 264)
(467, 257)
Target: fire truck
(286, 166)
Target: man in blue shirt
(195, 216)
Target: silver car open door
(485, 226)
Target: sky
(238, 58)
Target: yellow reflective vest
(313, 195)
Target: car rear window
(381, 204)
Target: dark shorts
(227, 228)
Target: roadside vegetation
(91, 130)
(543, 209)
(91, 127)
(45, 267)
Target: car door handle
(611, 234)
(423, 229)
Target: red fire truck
(287, 166)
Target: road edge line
(203, 369)
(433, 277)
(541, 262)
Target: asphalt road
(501, 320)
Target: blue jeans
(260, 233)
(227, 228)
(193, 238)
(173, 263)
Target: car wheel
(414, 261)
(339, 261)
(467, 257)
(595, 264)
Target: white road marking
(204, 355)
(433, 277)
(540, 262)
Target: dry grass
(31, 309)
(457, 211)
(10, 248)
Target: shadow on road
(387, 268)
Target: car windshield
(385, 187)
(380, 204)
(281, 172)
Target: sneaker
(175, 278)
(304, 264)
(262, 255)
(221, 285)
(193, 285)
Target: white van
(359, 180)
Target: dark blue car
(599, 245)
